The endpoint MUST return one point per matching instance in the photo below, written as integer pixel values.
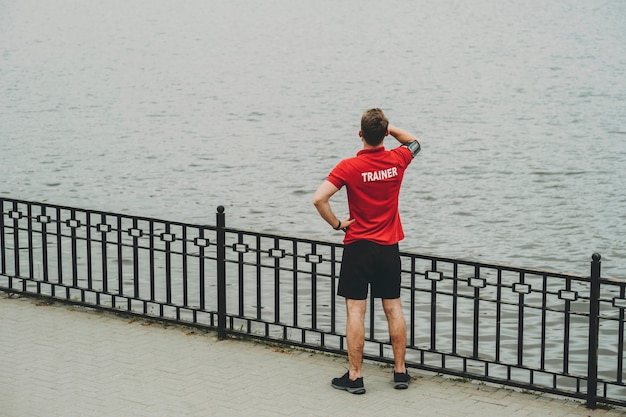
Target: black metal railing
(532, 329)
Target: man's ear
(360, 133)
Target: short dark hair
(374, 126)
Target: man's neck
(368, 146)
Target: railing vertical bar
(89, 252)
(476, 324)
(168, 265)
(594, 310)
(566, 329)
(31, 244)
(314, 289)
(372, 308)
(240, 277)
(295, 283)
(221, 273)
(276, 283)
(412, 317)
(544, 306)
(520, 324)
(620, 339)
(333, 275)
(185, 267)
(59, 246)
(151, 260)
(120, 276)
(455, 306)
(104, 227)
(201, 269)
(259, 281)
(555, 382)
(44, 244)
(16, 242)
(433, 309)
(74, 248)
(31, 260)
(135, 260)
(3, 261)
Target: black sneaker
(345, 383)
(401, 381)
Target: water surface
(169, 109)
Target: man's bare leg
(355, 335)
(397, 331)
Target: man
(372, 232)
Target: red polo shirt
(372, 179)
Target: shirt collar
(371, 150)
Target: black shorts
(366, 263)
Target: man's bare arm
(401, 135)
(321, 201)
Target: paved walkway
(58, 360)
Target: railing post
(221, 273)
(594, 311)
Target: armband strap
(414, 147)
(338, 226)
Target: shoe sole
(357, 391)
(401, 385)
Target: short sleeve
(337, 176)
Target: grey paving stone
(59, 360)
